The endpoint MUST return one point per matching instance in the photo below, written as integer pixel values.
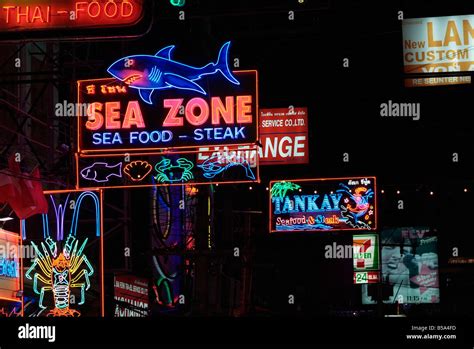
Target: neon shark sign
(148, 73)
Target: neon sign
(16, 15)
(12, 312)
(280, 189)
(323, 204)
(118, 171)
(148, 73)
(10, 267)
(64, 269)
(217, 164)
(168, 173)
(119, 120)
(365, 255)
(101, 171)
(365, 252)
(61, 272)
(137, 170)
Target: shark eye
(127, 62)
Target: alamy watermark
(406, 110)
(71, 109)
(9, 251)
(336, 251)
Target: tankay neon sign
(323, 204)
(142, 170)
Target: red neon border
(20, 282)
(79, 188)
(101, 262)
(320, 180)
(169, 149)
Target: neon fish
(101, 172)
(148, 73)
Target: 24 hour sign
(120, 119)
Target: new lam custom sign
(323, 204)
(438, 45)
(142, 170)
(121, 118)
(49, 18)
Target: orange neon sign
(117, 120)
(16, 15)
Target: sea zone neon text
(106, 119)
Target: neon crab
(181, 172)
(219, 163)
(361, 198)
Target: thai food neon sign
(18, 15)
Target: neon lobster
(60, 272)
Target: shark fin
(146, 95)
(165, 52)
(182, 83)
(222, 64)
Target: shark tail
(222, 64)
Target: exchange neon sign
(118, 119)
(323, 204)
(66, 14)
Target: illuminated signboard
(64, 274)
(121, 117)
(10, 267)
(409, 258)
(323, 204)
(141, 170)
(131, 296)
(365, 254)
(438, 45)
(283, 135)
(42, 16)
(366, 277)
